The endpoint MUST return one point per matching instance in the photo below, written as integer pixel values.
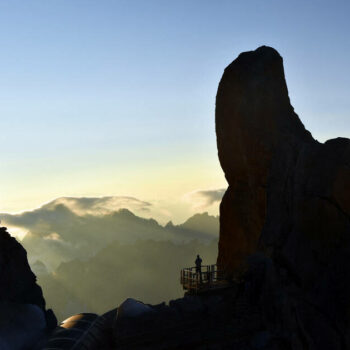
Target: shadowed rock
(23, 318)
(288, 197)
(259, 138)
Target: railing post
(207, 277)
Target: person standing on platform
(199, 268)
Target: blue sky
(117, 97)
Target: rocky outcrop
(83, 331)
(285, 217)
(259, 141)
(23, 318)
(221, 320)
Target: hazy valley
(91, 259)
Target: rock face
(23, 318)
(286, 214)
(18, 283)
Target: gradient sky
(117, 97)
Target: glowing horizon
(118, 98)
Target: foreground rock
(221, 320)
(287, 207)
(23, 318)
(226, 319)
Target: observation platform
(209, 278)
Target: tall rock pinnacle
(289, 195)
(255, 124)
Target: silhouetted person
(199, 267)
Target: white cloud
(53, 237)
(99, 206)
(202, 199)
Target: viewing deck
(207, 279)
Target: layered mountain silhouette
(69, 228)
(146, 270)
(95, 242)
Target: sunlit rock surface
(86, 331)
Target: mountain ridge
(56, 234)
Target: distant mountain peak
(200, 223)
(169, 224)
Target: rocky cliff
(23, 318)
(285, 218)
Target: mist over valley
(92, 253)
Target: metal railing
(208, 277)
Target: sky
(117, 98)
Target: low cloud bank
(69, 228)
(100, 205)
(110, 241)
(203, 199)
